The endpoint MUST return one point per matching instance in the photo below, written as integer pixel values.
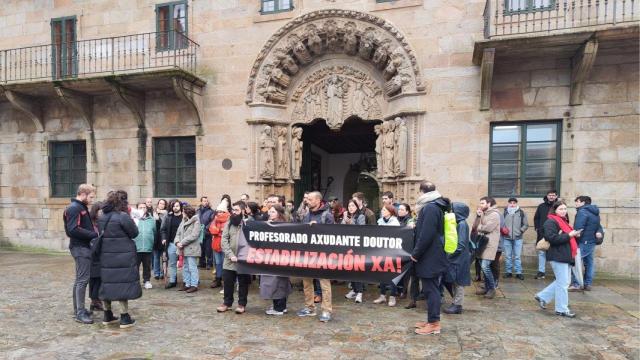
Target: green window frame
(174, 166)
(64, 47)
(514, 7)
(172, 25)
(67, 167)
(525, 158)
(275, 6)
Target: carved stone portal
(303, 40)
(335, 93)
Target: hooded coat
(118, 259)
(490, 226)
(429, 245)
(460, 260)
(588, 220)
(188, 235)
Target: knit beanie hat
(223, 206)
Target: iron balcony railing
(95, 57)
(514, 17)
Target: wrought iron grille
(512, 17)
(94, 57)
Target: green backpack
(450, 232)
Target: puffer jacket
(146, 234)
(588, 219)
(215, 229)
(188, 235)
(490, 226)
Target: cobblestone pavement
(36, 323)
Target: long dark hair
(280, 211)
(95, 209)
(173, 202)
(555, 206)
(351, 201)
(226, 196)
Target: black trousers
(94, 288)
(229, 278)
(495, 267)
(206, 259)
(279, 304)
(144, 258)
(430, 287)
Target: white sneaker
(359, 298)
(147, 285)
(350, 295)
(381, 299)
(273, 312)
(221, 291)
(392, 301)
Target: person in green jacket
(144, 241)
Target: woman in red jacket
(215, 229)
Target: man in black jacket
(205, 214)
(80, 230)
(428, 254)
(538, 221)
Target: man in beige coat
(489, 226)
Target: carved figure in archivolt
(350, 38)
(300, 51)
(389, 147)
(312, 104)
(314, 41)
(367, 42)
(266, 153)
(282, 154)
(335, 92)
(331, 31)
(286, 62)
(379, 139)
(296, 146)
(401, 144)
(381, 54)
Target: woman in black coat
(119, 263)
(561, 255)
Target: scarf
(424, 198)
(512, 210)
(566, 228)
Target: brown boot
(183, 288)
(191, 289)
(216, 283)
(96, 305)
(431, 329)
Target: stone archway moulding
(315, 35)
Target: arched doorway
(335, 65)
(333, 161)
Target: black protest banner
(364, 253)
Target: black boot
(96, 305)
(216, 283)
(108, 318)
(84, 317)
(453, 309)
(126, 321)
(170, 285)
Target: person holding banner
(388, 218)
(430, 260)
(272, 287)
(353, 216)
(318, 213)
(229, 243)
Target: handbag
(481, 243)
(504, 231)
(543, 245)
(96, 242)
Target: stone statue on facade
(331, 32)
(367, 41)
(274, 94)
(350, 39)
(282, 154)
(280, 77)
(314, 41)
(379, 139)
(266, 153)
(361, 102)
(300, 51)
(335, 93)
(389, 148)
(381, 54)
(296, 146)
(287, 62)
(401, 144)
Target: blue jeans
(173, 263)
(513, 249)
(489, 282)
(558, 289)
(157, 263)
(587, 252)
(219, 258)
(190, 271)
(542, 260)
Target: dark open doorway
(339, 163)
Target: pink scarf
(566, 228)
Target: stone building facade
(196, 97)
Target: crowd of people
(110, 240)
